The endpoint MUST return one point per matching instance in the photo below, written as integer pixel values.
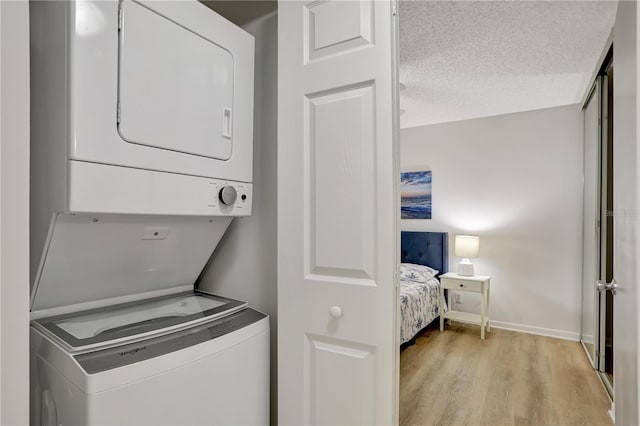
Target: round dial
(228, 195)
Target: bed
(421, 253)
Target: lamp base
(465, 268)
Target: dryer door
(175, 87)
(155, 86)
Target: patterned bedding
(418, 306)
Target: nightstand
(475, 284)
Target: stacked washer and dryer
(142, 146)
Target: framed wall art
(415, 190)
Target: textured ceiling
(469, 59)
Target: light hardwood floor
(454, 378)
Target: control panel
(232, 198)
(164, 193)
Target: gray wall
(14, 213)
(244, 266)
(516, 181)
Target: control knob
(228, 195)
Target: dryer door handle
(227, 122)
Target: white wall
(14, 213)
(244, 266)
(516, 181)
(626, 204)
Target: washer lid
(93, 260)
(114, 325)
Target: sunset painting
(415, 189)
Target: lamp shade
(467, 246)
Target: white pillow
(416, 273)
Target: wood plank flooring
(454, 378)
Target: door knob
(604, 286)
(335, 312)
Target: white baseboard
(549, 332)
(612, 412)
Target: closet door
(338, 233)
(591, 224)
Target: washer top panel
(115, 325)
(107, 359)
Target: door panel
(340, 173)
(355, 395)
(334, 27)
(185, 104)
(591, 230)
(606, 298)
(337, 213)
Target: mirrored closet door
(598, 286)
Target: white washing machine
(185, 359)
(119, 336)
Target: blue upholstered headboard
(425, 248)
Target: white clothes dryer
(141, 104)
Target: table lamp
(467, 246)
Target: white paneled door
(338, 236)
